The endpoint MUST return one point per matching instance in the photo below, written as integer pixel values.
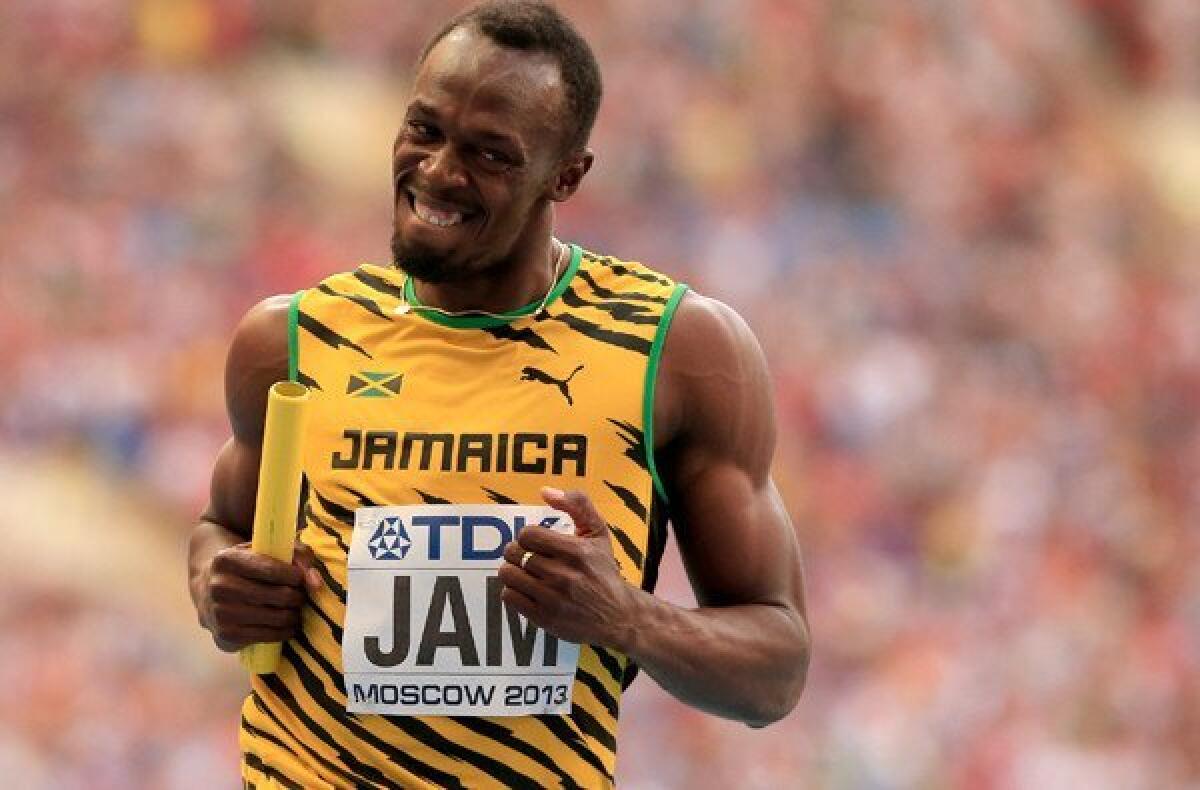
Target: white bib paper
(426, 633)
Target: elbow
(784, 693)
(783, 701)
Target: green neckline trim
(487, 321)
(293, 340)
(656, 350)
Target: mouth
(438, 213)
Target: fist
(247, 597)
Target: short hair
(533, 26)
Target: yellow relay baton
(278, 500)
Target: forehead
(468, 74)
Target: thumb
(304, 559)
(580, 508)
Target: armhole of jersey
(293, 340)
(656, 349)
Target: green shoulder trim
(656, 349)
(500, 319)
(293, 339)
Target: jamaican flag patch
(369, 384)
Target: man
(487, 484)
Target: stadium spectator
(966, 233)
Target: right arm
(243, 597)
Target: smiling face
(478, 159)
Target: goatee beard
(422, 263)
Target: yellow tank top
(411, 407)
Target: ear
(570, 175)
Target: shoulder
(703, 326)
(714, 389)
(257, 358)
(262, 334)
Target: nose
(442, 168)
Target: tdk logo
(449, 537)
(390, 540)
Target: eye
(421, 130)
(497, 161)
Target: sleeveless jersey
(414, 408)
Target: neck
(523, 279)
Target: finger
(247, 635)
(305, 560)
(528, 584)
(241, 561)
(241, 616)
(235, 590)
(579, 507)
(522, 603)
(514, 554)
(548, 543)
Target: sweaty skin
(743, 652)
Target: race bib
(426, 633)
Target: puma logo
(530, 373)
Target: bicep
(234, 487)
(735, 537)
(257, 359)
(734, 533)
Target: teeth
(442, 219)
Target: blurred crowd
(967, 233)
(96, 698)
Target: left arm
(743, 652)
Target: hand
(247, 597)
(572, 585)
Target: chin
(425, 264)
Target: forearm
(744, 662)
